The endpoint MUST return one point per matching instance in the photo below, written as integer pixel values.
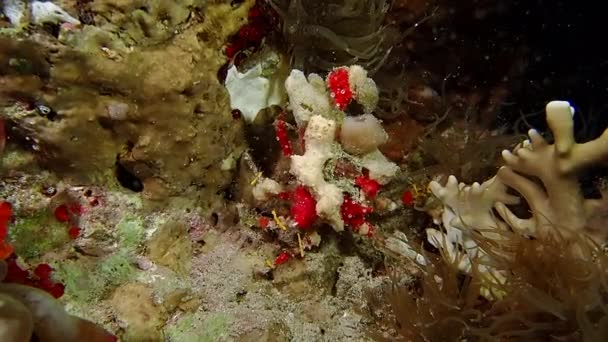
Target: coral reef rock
(137, 93)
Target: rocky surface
(184, 276)
(124, 95)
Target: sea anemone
(325, 34)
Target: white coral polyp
(364, 88)
(308, 168)
(307, 97)
(380, 168)
(265, 188)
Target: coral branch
(558, 207)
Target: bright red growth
(6, 250)
(284, 195)
(43, 271)
(74, 232)
(338, 84)
(303, 207)
(6, 213)
(233, 48)
(262, 20)
(40, 279)
(15, 274)
(407, 198)
(283, 138)
(62, 214)
(353, 213)
(75, 208)
(263, 221)
(369, 186)
(281, 259)
(56, 290)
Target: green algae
(33, 236)
(131, 233)
(87, 279)
(17, 160)
(193, 328)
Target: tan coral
(557, 205)
(559, 202)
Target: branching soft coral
(543, 277)
(559, 202)
(556, 204)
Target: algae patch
(33, 236)
(195, 328)
(87, 279)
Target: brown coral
(147, 100)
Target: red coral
(74, 232)
(15, 274)
(284, 195)
(338, 84)
(56, 290)
(353, 213)
(40, 279)
(43, 271)
(6, 214)
(369, 186)
(281, 259)
(407, 198)
(62, 213)
(6, 250)
(283, 138)
(65, 212)
(303, 207)
(262, 20)
(263, 221)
